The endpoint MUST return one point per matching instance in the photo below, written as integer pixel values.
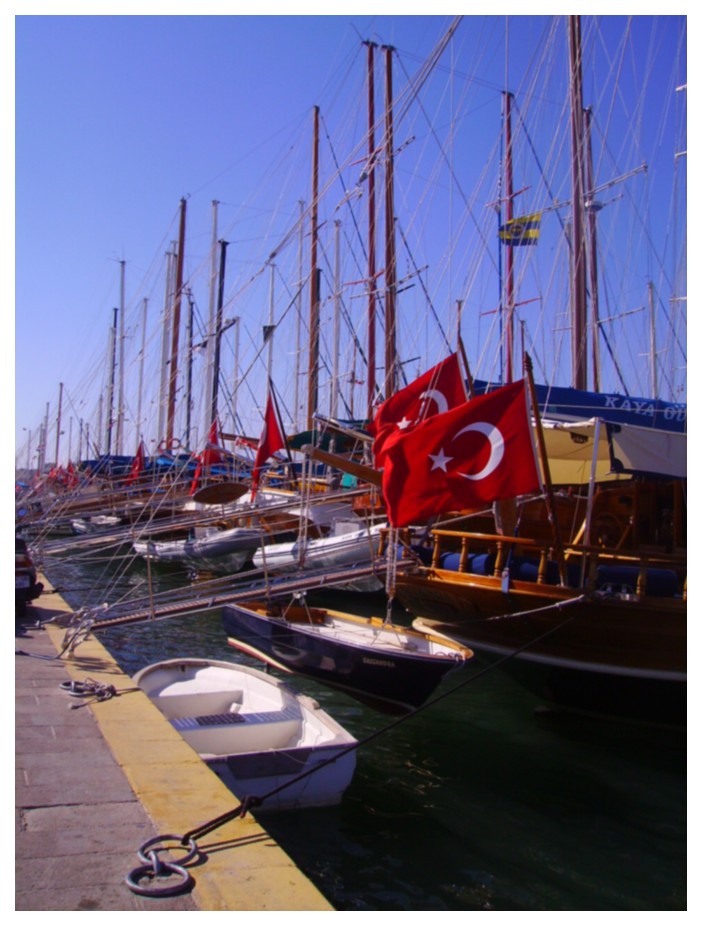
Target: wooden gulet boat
(599, 626)
(389, 667)
(255, 732)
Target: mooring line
(251, 801)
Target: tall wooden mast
(390, 259)
(509, 287)
(173, 377)
(217, 334)
(579, 290)
(591, 209)
(372, 294)
(313, 371)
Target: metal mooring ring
(167, 890)
(146, 858)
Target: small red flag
(272, 439)
(436, 391)
(467, 457)
(212, 453)
(138, 463)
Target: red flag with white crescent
(434, 392)
(467, 457)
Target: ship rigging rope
(251, 801)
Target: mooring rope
(251, 801)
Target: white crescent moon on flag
(497, 447)
(438, 397)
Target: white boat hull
(213, 550)
(353, 548)
(254, 732)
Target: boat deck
(90, 793)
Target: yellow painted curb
(242, 867)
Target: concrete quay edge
(240, 865)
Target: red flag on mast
(435, 391)
(138, 464)
(272, 439)
(211, 455)
(467, 457)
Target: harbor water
(482, 801)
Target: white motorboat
(97, 522)
(254, 731)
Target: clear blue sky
(118, 117)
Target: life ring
(173, 444)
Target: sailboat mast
(111, 383)
(652, 330)
(372, 297)
(189, 374)
(269, 330)
(298, 319)
(390, 258)
(173, 378)
(509, 197)
(218, 332)
(334, 400)
(579, 300)
(120, 394)
(141, 367)
(313, 370)
(591, 209)
(163, 389)
(58, 424)
(211, 317)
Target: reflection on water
(481, 802)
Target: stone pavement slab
(95, 781)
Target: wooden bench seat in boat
(211, 702)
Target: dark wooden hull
(393, 682)
(621, 656)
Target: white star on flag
(440, 460)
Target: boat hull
(619, 655)
(222, 552)
(391, 678)
(353, 548)
(259, 736)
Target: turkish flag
(272, 439)
(436, 391)
(138, 464)
(212, 453)
(210, 456)
(467, 457)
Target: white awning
(622, 450)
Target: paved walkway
(95, 781)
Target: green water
(481, 802)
